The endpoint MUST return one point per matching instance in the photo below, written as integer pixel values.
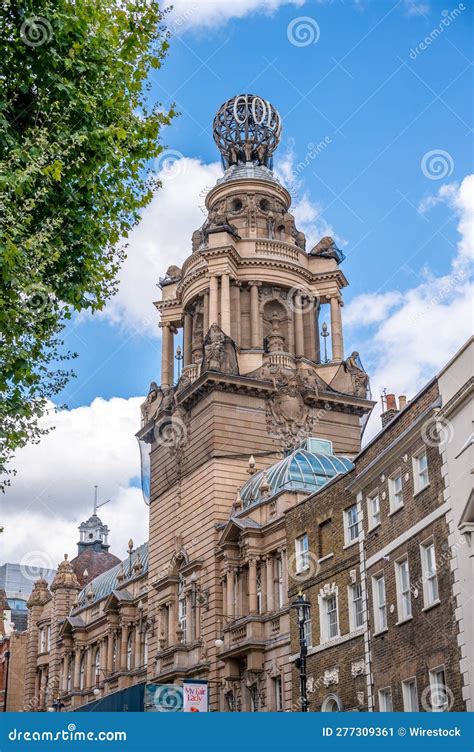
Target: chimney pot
(391, 402)
(402, 401)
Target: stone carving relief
(288, 417)
(358, 667)
(331, 676)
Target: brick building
(382, 570)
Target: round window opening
(236, 205)
(265, 205)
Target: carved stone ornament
(358, 667)
(289, 418)
(150, 407)
(331, 676)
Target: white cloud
(417, 331)
(162, 238)
(193, 14)
(54, 486)
(417, 7)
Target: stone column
(171, 624)
(235, 308)
(270, 584)
(253, 604)
(317, 335)
(187, 338)
(230, 592)
(225, 304)
(213, 301)
(88, 671)
(166, 355)
(103, 657)
(123, 647)
(254, 315)
(299, 331)
(310, 318)
(77, 669)
(110, 653)
(336, 329)
(205, 324)
(138, 647)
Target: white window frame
(302, 553)
(308, 632)
(278, 693)
(374, 519)
(420, 482)
(349, 541)
(379, 608)
(404, 605)
(434, 684)
(330, 623)
(82, 673)
(407, 695)
(353, 606)
(385, 698)
(48, 638)
(430, 576)
(323, 602)
(393, 494)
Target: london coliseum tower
(260, 417)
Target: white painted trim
(414, 530)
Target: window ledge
(373, 527)
(404, 621)
(325, 558)
(394, 511)
(380, 632)
(431, 605)
(352, 543)
(420, 490)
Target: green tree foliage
(77, 133)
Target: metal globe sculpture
(247, 128)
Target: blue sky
(358, 86)
(392, 185)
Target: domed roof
(248, 171)
(108, 581)
(307, 468)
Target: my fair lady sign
(195, 696)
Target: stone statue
(152, 403)
(359, 378)
(328, 249)
(275, 340)
(173, 274)
(271, 225)
(219, 352)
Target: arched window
(331, 704)
(97, 665)
(129, 652)
(82, 673)
(182, 607)
(281, 233)
(69, 677)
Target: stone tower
(255, 381)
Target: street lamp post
(56, 706)
(303, 610)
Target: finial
(252, 465)
(65, 557)
(130, 546)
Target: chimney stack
(390, 411)
(402, 401)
